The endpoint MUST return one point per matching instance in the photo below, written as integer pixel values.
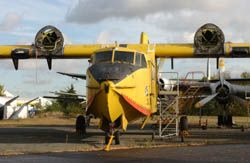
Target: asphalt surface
(61, 144)
(48, 139)
(207, 154)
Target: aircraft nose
(111, 109)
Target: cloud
(91, 11)
(10, 21)
(104, 37)
(178, 19)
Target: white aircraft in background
(11, 107)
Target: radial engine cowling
(166, 84)
(209, 40)
(223, 93)
(49, 41)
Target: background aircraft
(223, 90)
(12, 108)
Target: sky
(107, 21)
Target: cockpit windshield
(124, 57)
(105, 56)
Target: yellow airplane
(122, 78)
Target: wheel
(80, 125)
(107, 137)
(184, 123)
(117, 137)
(153, 135)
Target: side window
(138, 59)
(143, 61)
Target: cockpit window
(124, 57)
(140, 60)
(143, 61)
(105, 56)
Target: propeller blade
(208, 69)
(205, 100)
(221, 71)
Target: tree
(245, 75)
(69, 103)
(225, 74)
(2, 90)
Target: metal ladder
(168, 107)
(188, 97)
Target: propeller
(219, 91)
(221, 71)
(205, 100)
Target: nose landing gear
(110, 135)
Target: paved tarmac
(47, 139)
(61, 144)
(210, 153)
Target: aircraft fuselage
(120, 87)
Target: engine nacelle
(223, 93)
(49, 41)
(209, 40)
(166, 84)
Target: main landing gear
(81, 124)
(183, 127)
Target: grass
(60, 120)
(45, 119)
(212, 120)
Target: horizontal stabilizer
(65, 98)
(11, 100)
(80, 76)
(69, 94)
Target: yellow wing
(49, 44)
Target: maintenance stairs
(187, 98)
(168, 107)
(172, 105)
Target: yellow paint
(111, 105)
(163, 50)
(107, 148)
(145, 122)
(5, 50)
(144, 38)
(221, 64)
(124, 122)
(139, 88)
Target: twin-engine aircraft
(225, 91)
(122, 78)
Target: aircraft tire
(107, 137)
(117, 137)
(184, 123)
(80, 125)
